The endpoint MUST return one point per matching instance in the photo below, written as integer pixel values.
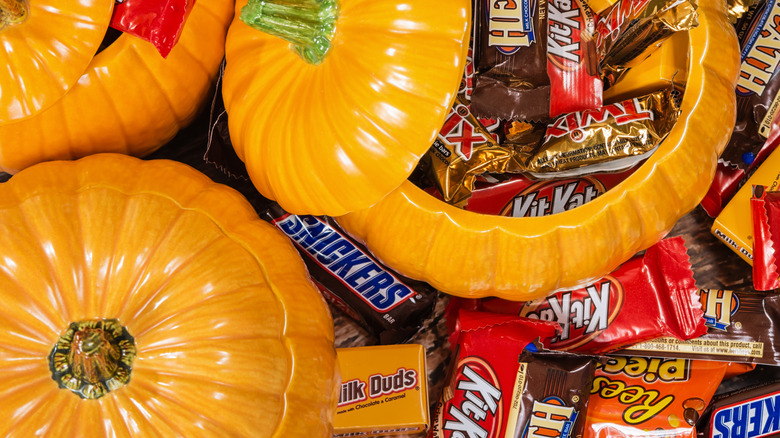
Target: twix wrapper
(610, 138)
(464, 149)
(631, 29)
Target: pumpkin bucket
(474, 255)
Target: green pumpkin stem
(12, 12)
(307, 24)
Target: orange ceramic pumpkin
(142, 299)
(45, 46)
(469, 254)
(128, 100)
(334, 131)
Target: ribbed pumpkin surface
(338, 136)
(232, 338)
(469, 254)
(130, 100)
(45, 55)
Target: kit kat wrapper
(649, 296)
(484, 367)
(742, 327)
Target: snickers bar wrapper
(384, 391)
(389, 306)
(750, 412)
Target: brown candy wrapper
(630, 30)
(551, 394)
(765, 213)
(389, 306)
(534, 59)
(510, 55)
(742, 326)
(611, 138)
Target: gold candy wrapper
(464, 149)
(630, 30)
(735, 8)
(609, 139)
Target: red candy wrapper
(765, 209)
(649, 296)
(158, 21)
(572, 65)
(478, 395)
(520, 196)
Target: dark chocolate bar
(388, 305)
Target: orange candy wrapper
(638, 397)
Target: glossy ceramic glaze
(44, 56)
(469, 254)
(130, 100)
(232, 338)
(338, 136)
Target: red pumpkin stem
(12, 12)
(93, 357)
(307, 24)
